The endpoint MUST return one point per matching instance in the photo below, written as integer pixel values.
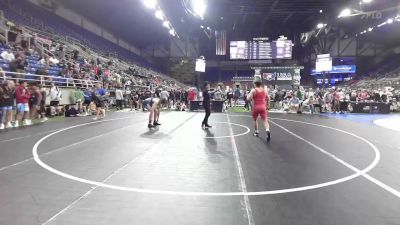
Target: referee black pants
(208, 113)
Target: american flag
(220, 42)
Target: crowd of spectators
(34, 67)
(298, 99)
(334, 100)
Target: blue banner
(338, 69)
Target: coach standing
(206, 105)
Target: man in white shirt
(119, 97)
(55, 95)
(8, 55)
(164, 95)
(294, 104)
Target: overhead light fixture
(321, 25)
(370, 29)
(390, 21)
(159, 14)
(383, 24)
(202, 27)
(150, 3)
(366, 1)
(208, 28)
(345, 13)
(172, 32)
(199, 7)
(166, 24)
(320, 11)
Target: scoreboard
(256, 50)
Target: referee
(206, 105)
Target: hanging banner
(296, 77)
(338, 69)
(278, 74)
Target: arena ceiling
(242, 19)
(131, 20)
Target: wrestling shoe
(268, 136)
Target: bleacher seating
(53, 23)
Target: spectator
(278, 99)
(78, 98)
(309, 103)
(44, 61)
(34, 101)
(42, 109)
(218, 94)
(191, 95)
(336, 101)
(7, 97)
(363, 95)
(164, 96)
(55, 98)
(2, 74)
(8, 55)
(22, 99)
(230, 97)
(71, 111)
(99, 97)
(237, 95)
(328, 99)
(119, 97)
(294, 104)
(87, 94)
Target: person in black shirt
(206, 105)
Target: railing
(46, 80)
(76, 43)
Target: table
(216, 106)
(370, 107)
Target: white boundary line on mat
(257, 193)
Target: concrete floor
(117, 171)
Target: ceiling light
(382, 24)
(172, 32)
(201, 26)
(199, 7)
(345, 13)
(320, 11)
(321, 25)
(159, 14)
(390, 21)
(166, 24)
(150, 3)
(208, 28)
(370, 29)
(366, 1)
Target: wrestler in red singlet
(261, 102)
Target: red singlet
(260, 104)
